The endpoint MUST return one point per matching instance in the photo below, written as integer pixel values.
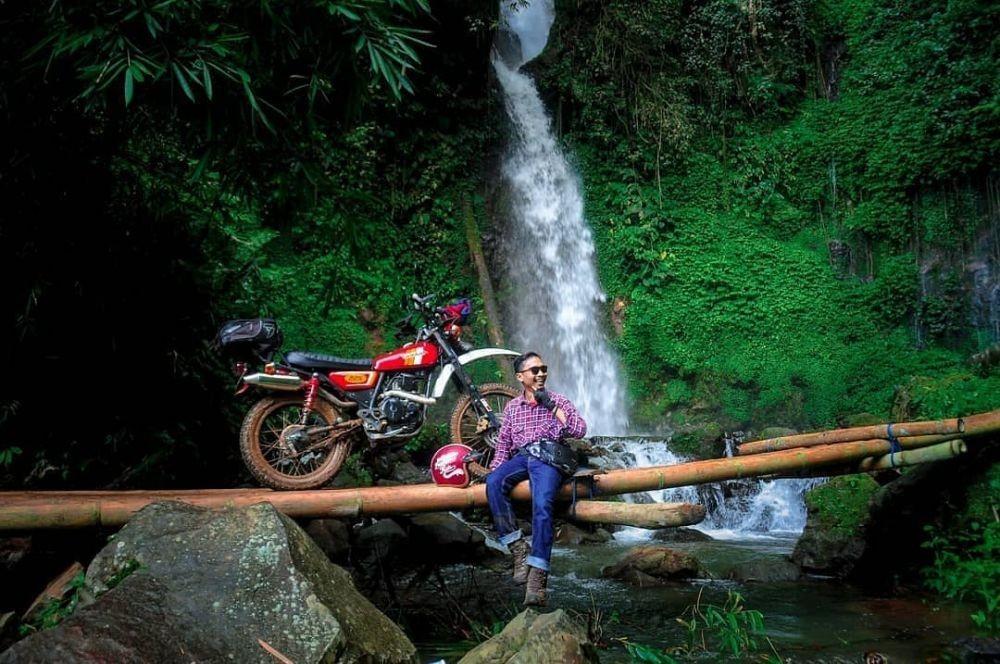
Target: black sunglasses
(541, 368)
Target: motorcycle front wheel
(466, 427)
(275, 463)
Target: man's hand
(544, 399)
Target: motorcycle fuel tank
(416, 355)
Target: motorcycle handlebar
(422, 302)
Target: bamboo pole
(649, 515)
(28, 510)
(940, 452)
(73, 509)
(900, 430)
(908, 442)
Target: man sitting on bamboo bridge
(530, 447)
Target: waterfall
(554, 303)
(737, 508)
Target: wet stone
(188, 584)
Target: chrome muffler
(275, 381)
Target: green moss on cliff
(841, 505)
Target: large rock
(833, 540)
(532, 638)
(379, 544)
(333, 536)
(438, 538)
(653, 565)
(681, 535)
(185, 584)
(765, 570)
(703, 441)
(406, 472)
(568, 533)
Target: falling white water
(554, 302)
(734, 509)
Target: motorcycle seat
(320, 362)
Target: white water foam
(737, 509)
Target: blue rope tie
(894, 445)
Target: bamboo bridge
(835, 452)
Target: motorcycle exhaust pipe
(410, 396)
(274, 382)
(340, 403)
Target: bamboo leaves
(265, 57)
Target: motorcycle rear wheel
(260, 445)
(465, 423)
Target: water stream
(748, 508)
(555, 301)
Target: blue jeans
(545, 482)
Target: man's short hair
(521, 359)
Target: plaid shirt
(525, 422)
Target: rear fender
(280, 382)
(479, 354)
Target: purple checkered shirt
(525, 422)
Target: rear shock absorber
(312, 389)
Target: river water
(810, 620)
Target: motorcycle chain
(346, 428)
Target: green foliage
(730, 630)
(966, 562)
(431, 437)
(841, 505)
(211, 52)
(643, 653)
(778, 132)
(7, 454)
(55, 610)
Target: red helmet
(449, 467)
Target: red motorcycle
(316, 406)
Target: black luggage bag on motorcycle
(250, 339)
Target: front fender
(479, 354)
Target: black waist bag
(557, 455)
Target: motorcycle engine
(402, 411)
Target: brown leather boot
(535, 593)
(520, 550)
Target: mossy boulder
(834, 537)
(182, 583)
(533, 638)
(768, 433)
(654, 565)
(568, 533)
(769, 569)
(680, 535)
(703, 441)
(862, 420)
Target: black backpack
(250, 338)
